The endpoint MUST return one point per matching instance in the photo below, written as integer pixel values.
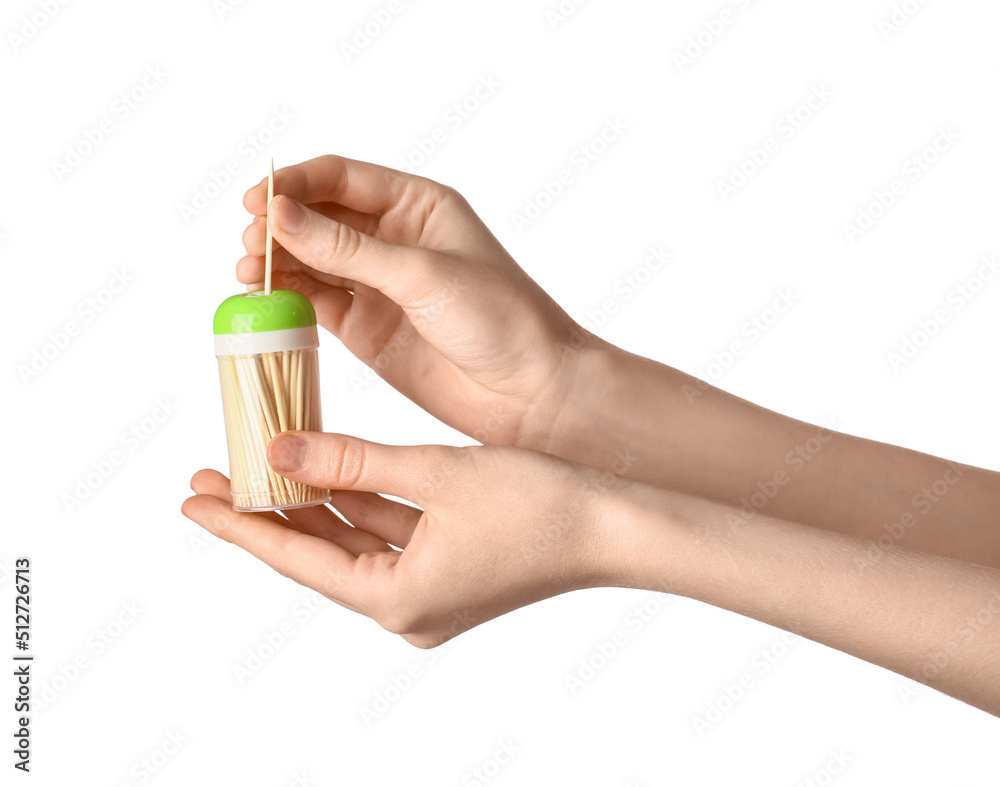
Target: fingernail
(287, 452)
(292, 216)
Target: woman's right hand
(406, 275)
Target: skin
(600, 468)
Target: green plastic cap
(255, 312)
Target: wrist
(644, 536)
(579, 416)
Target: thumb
(336, 461)
(400, 272)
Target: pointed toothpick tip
(270, 240)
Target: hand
(501, 528)
(504, 527)
(402, 270)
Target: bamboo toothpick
(270, 240)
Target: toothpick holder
(269, 371)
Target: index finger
(309, 560)
(359, 185)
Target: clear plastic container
(269, 372)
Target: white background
(206, 607)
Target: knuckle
(332, 585)
(424, 641)
(340, 242)
(347, 463)
(452, 203)
(283, 557)
(229, 524)
(452, 196)
(427, 196)
(220, 525)
(399, 619)
(333, 168)
(401, 613)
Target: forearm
(932, 619)
(655, 424)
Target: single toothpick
(270, 240)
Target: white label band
(266, 341)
